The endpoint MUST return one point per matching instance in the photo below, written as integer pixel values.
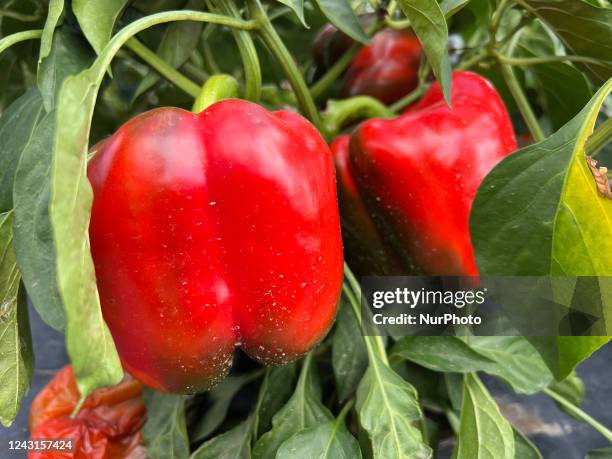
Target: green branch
(409, 98)
(549, 59)
(285, 59)
(335, 71)
(573, 409)
(521, 101)
(163, 68)
(248, 53)
(18, 37)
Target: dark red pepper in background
(418, 174)
(210, 231)
(106, 427)
(387, 69)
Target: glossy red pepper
(210, 231)
(364, 248)
(106, 427)
(387, 69)
(418, 174)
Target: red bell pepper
(364, 248)
(418, 174)
(387, 69)
(210, 231)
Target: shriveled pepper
(418, 174)
(210, 231)
(106, 427)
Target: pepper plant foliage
(74, 71)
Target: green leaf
(33, 236)
(428, 22)
(584, 29)
(441, 353)
(523, 447)
(279, 386)
(551, 80)
(233, 444)
(54, 15)
(603, 453)
(69, 55)
(331, 440)
(220, 398)
(165, 431)
(349, 356)
(303, 410)
(16, 129)
(388, 409)
(518, 362)
(97, 19)
(511, 358)
(450, 7)
(539, 212)
(340, 14)
(177, 44)
(16, 358)
(297, 6)
(483, 433)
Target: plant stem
(600, 138)
(248, 53)
(374, 344)
(345, 409)
(475, 59)
(284, 58)
(497, 16)
(335, 71)
(162, 67)
(195, 71)
(18, 37)
(576, 411)
(521, 102)
(547, 60)
(397, 24)
(409, 98)
(20, 16)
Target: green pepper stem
(18, 37)
(339, 112)
(162, 67)
(284, 58)
(576, 411)
(216, 88)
